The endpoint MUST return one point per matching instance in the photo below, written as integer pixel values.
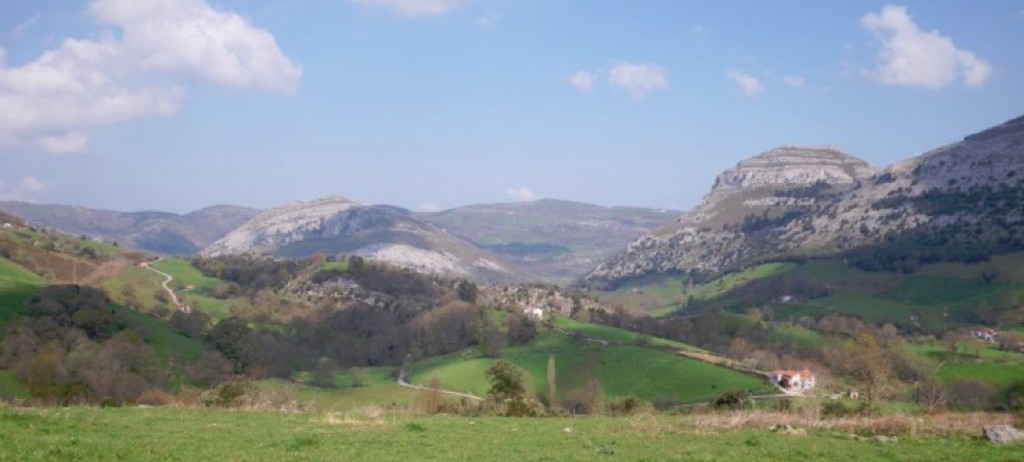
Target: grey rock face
(818, 201)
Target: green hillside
(649, 372)
(938, 296)
(16, 285)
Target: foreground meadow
(204, 434)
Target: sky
(430, 104)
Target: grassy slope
(199, 434)
(623, 369)
(16, 285)
(185, 275)
(379, 390)
(877, 296)
(996, 367)
(147, 283)
(668, 294)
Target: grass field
(378, 389)
(201, 434)
(648, 373)
(167, 342)
(669, 293)
(17, 284)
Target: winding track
(440, 390)
(174, 297)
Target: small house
(533, 313)
(796, 381)
(986, 334)
(8, 226)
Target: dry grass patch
(941, 425)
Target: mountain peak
(795, 166)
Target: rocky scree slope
(792, 202)
(377, 232)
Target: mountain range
(960, 202)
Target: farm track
(168, 279)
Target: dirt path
(439, 390)
(168, 278)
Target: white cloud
(52, 100)
(192, 38)
(794, 80)
(71, 142)
(637, 79)
(22, 189)
(20, 29)
(748, 84)
(521, 194)
(414, 8)
(583, 80)
(488, 21)
(915, 58)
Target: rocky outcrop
(378, 232)
(793, 202)
(1003, 434)
(550, 299)
(728, 228)
(279, 226)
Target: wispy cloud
(583, 80)
(23, 188)
(414, 8)
(793, 80)
(488, 20)
(637, 79)
(749, 85)
(521, 194)
(52, 101)
(912, 57)
(22, 27)
(71, 142)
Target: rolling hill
(378, 232)
(159, 232)
(555, 240)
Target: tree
(491, 339)
(508, 388)
(552, 384)
(950, 340)
(870, 363)
(231, 337)
(521, 329)
(323, 373)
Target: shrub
(229, 394)
(733, 399)
(155, 397)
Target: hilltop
(159, 232)
(959, 202)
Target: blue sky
(430, 104)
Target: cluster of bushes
(72, 347)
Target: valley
(373, 316)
